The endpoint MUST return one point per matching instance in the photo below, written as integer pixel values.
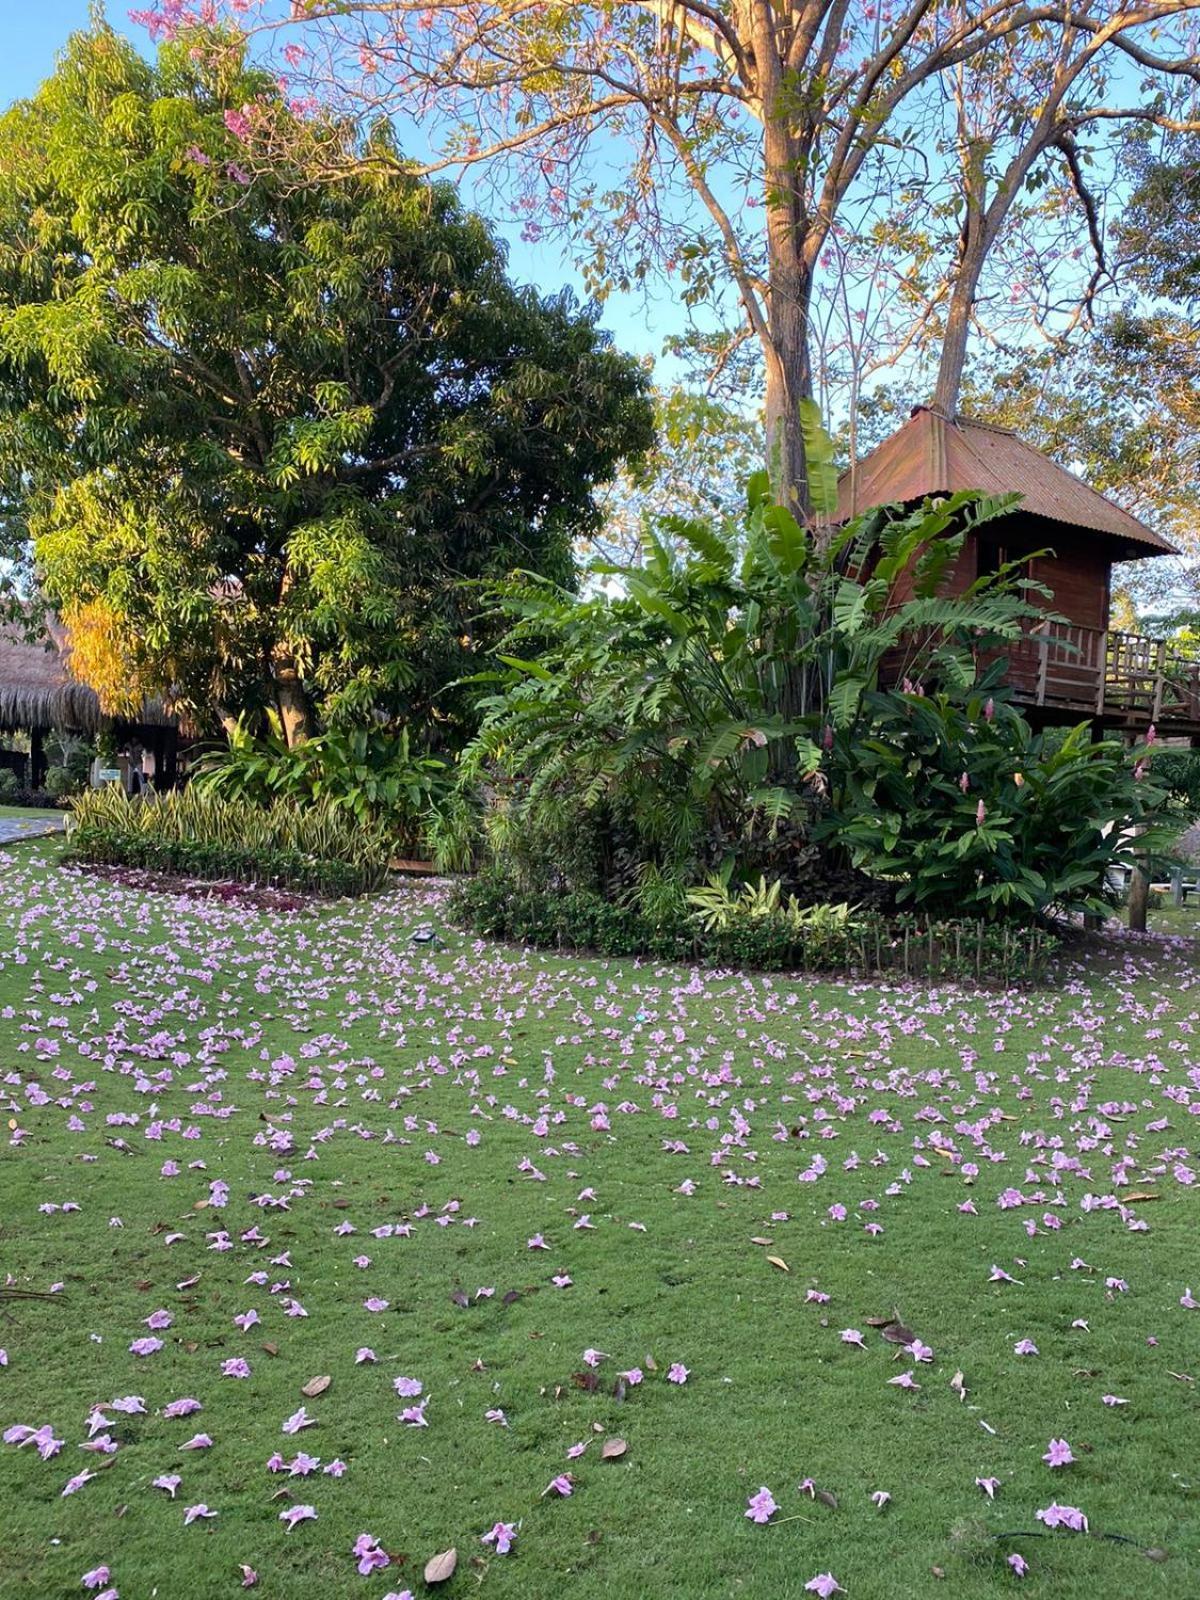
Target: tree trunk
(1139, 897)
(977, 239)
(789, 277)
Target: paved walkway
(14, 829)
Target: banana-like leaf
(819, 463)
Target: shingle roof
(932, 454)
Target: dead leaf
(650, 1364)
(879, 1322)
(315, 1386)
(1155, 1554)
(959, 1386)
(459, 1298)
(271, 1349)
(897, 1333)
(1139, 1197)
(587, 1381)
(827, 1498)
(440, 1568)
(778, 1261)
(757, 1239)
(511, 1298)
(613, 1449)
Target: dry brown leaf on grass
(440, 1568)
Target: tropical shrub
(371, 774)
(842, 940)
(59, 782)
(315, 848)
(679, 717)
(10, 787)
(970, 812)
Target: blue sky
(34, 30)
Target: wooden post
(37, 758)
(1160, 662)
(1177, 885)
(1103, 674)
(1043, 667)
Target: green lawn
(325, 1074)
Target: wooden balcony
(1123, 680)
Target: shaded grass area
(324, 1062)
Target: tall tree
(739, 129)
(265, 430)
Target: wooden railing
(1123, 677)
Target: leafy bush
(314, 848)
(10, 787)
(372, 775)
(493, 903)
(972, 813)
(1178, 772)
(59, 782)
(681, 719)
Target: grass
(323, 1059)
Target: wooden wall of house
(1078, 571)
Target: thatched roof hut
(38, 693)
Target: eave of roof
(933, 454)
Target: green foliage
(373, 775)
(10, 787)
(265, 423)
(1178, 773)
(59, 783)
(678, 716)
(316, 848)
(820, 939)
(955, 798)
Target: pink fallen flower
(501, 1535)
(853, 1336)
(76, 1483)
(1056, 1516)
(919, 1351)
(294, 1514)
(145, 1347)
(371, 1558)
(880, 1498)
(563, 1485)
(1113, 1400)
(297, 1420)
(761, 1506)
(374, 1303)
(905, 1381)
(1059, 1454)
(678, 1373)
(824, 1584)
(185, 1407)
(198, 1441)
(195, 1513)
(988, 1485)
(363, 1353)
(1019, 1564)
(407, 1388)
(169, 1481)
(1025, 1347)
(96, 1578)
